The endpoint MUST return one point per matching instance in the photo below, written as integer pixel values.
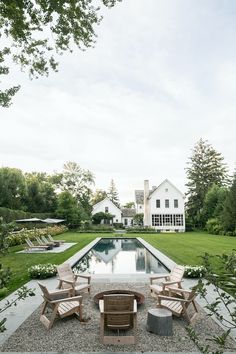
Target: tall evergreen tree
(205, 168)
(229, 211)
(113, 194)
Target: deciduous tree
(12, 188)
(113, 194)
(34, 32)
(98, 196)
(205, 168)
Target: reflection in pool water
(119, 256)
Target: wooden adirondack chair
(180, 306)
(62, 305)
(67, 279)
(173, 279)
(118, 312)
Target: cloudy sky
(161, 76)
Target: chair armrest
(183, 291)
(169, 298)
(155, 277)
(135, 306)
(101, 306)
(85, 276)
(74, 298)
(60, 291)
(171, 283)
(71, 282)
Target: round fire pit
(138, 296)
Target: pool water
(119, 256)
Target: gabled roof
(128, 212)
(139, 196)
(166, 180)
(102, 201)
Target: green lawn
(184, 248)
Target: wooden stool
(159, 321)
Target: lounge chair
(67, 279)
(53, 243)
(42, 243)
(173, 279)
(32, 246)
(180, 306)
(51, 239)
(62, 305)
(118, 312)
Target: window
(167, 203)
(166, 190)
(126, 222)
(178, 220)
(176, 203)
(158, 203)
(156, 220)
(106, 209)
(167, 220)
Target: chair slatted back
(118, 311)
(177, 273)
(46, 294)
(29, 243)
(65, 272)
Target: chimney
(146, 219)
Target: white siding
(112, 209)
(166, 191)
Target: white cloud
(161, 76)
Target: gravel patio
(72, 336)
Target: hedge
(19, 237)
(10, 215)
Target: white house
(107, 206)
(163, 206)
(128, 216)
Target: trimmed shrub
(214, 226)
(10, 215)
(42, 271)
(18, 237)
(194, 271)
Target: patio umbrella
(53, 221)
(29, 220)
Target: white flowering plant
(42, 271)
(194, 271)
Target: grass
(183, 248)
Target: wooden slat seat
(118, 312)
(67, 279)
(61, 307)
(173, 279)
(179, 306)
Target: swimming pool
(119, 256)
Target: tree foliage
(35, 32)
(129, 205)
(205, 168)
(101, 216)
(98, 196)
(78, 182)
(12, 188)
(229, 210)
(113, 194)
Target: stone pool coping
(17, 315)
